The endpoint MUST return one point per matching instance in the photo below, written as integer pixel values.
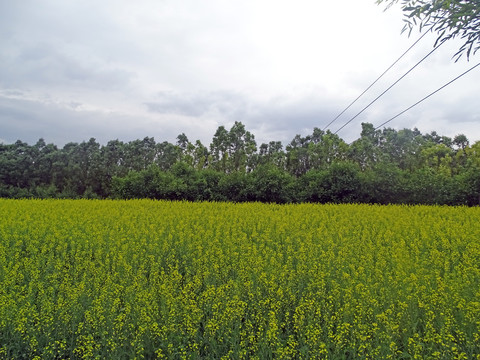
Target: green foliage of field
(152, 279)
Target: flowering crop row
(177, 280)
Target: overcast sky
(117, 69)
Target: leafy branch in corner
(448, 18)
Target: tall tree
(401, 148)
(140, 154)
(43, 166)
(325, 148)
(232, 150)
(298, 159)
(219, 149)
(83, 167)
(242, 147)
(272, 153)
(200, 156)
(365, 151)
(16, 164)
(167, 155)
(112, 164)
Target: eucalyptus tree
(140, 154)
(233, 150)
(167, 155)
(219, 149)
(242, 148)
(298, 156)
(272, 153)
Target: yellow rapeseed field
(85, 279)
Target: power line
(391, 86)
(373, 83)
(426, 97)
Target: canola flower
(143, 279)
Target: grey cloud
(75, 104)
(286, 117)
(30, 120)
(187, 105)
(62, 45)
(43, 64)
(13, 92)
(279, 118)
(198, 104)
(270, 120)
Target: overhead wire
(377, 79)
(426, 97)
(391, 86)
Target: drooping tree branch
(448, 18)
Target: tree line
(382, 166)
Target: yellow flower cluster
(86, 279)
